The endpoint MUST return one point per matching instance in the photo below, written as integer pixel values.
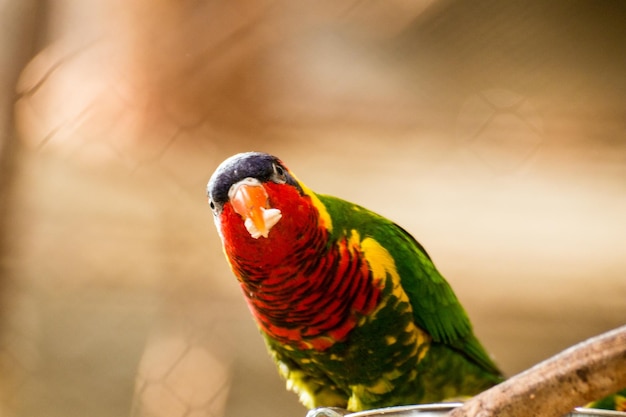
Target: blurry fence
(496, 132)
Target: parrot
(351, 307)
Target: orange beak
(250, 200)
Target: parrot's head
(259, 204)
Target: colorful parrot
(350, 305)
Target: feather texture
(350, 305)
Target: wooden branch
(585, 372)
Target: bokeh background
(494, 131)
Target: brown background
(494, 131)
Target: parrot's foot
(327, 412)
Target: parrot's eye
(279, 174)
(212, 204)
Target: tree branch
(585, 372)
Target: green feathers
(615, 402)
(435, 306)
(452, 357)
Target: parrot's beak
(250, 200)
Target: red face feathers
(260, 209)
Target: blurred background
(493, 131)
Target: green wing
(615, 402)
(436, 308)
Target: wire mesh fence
(495, 132)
